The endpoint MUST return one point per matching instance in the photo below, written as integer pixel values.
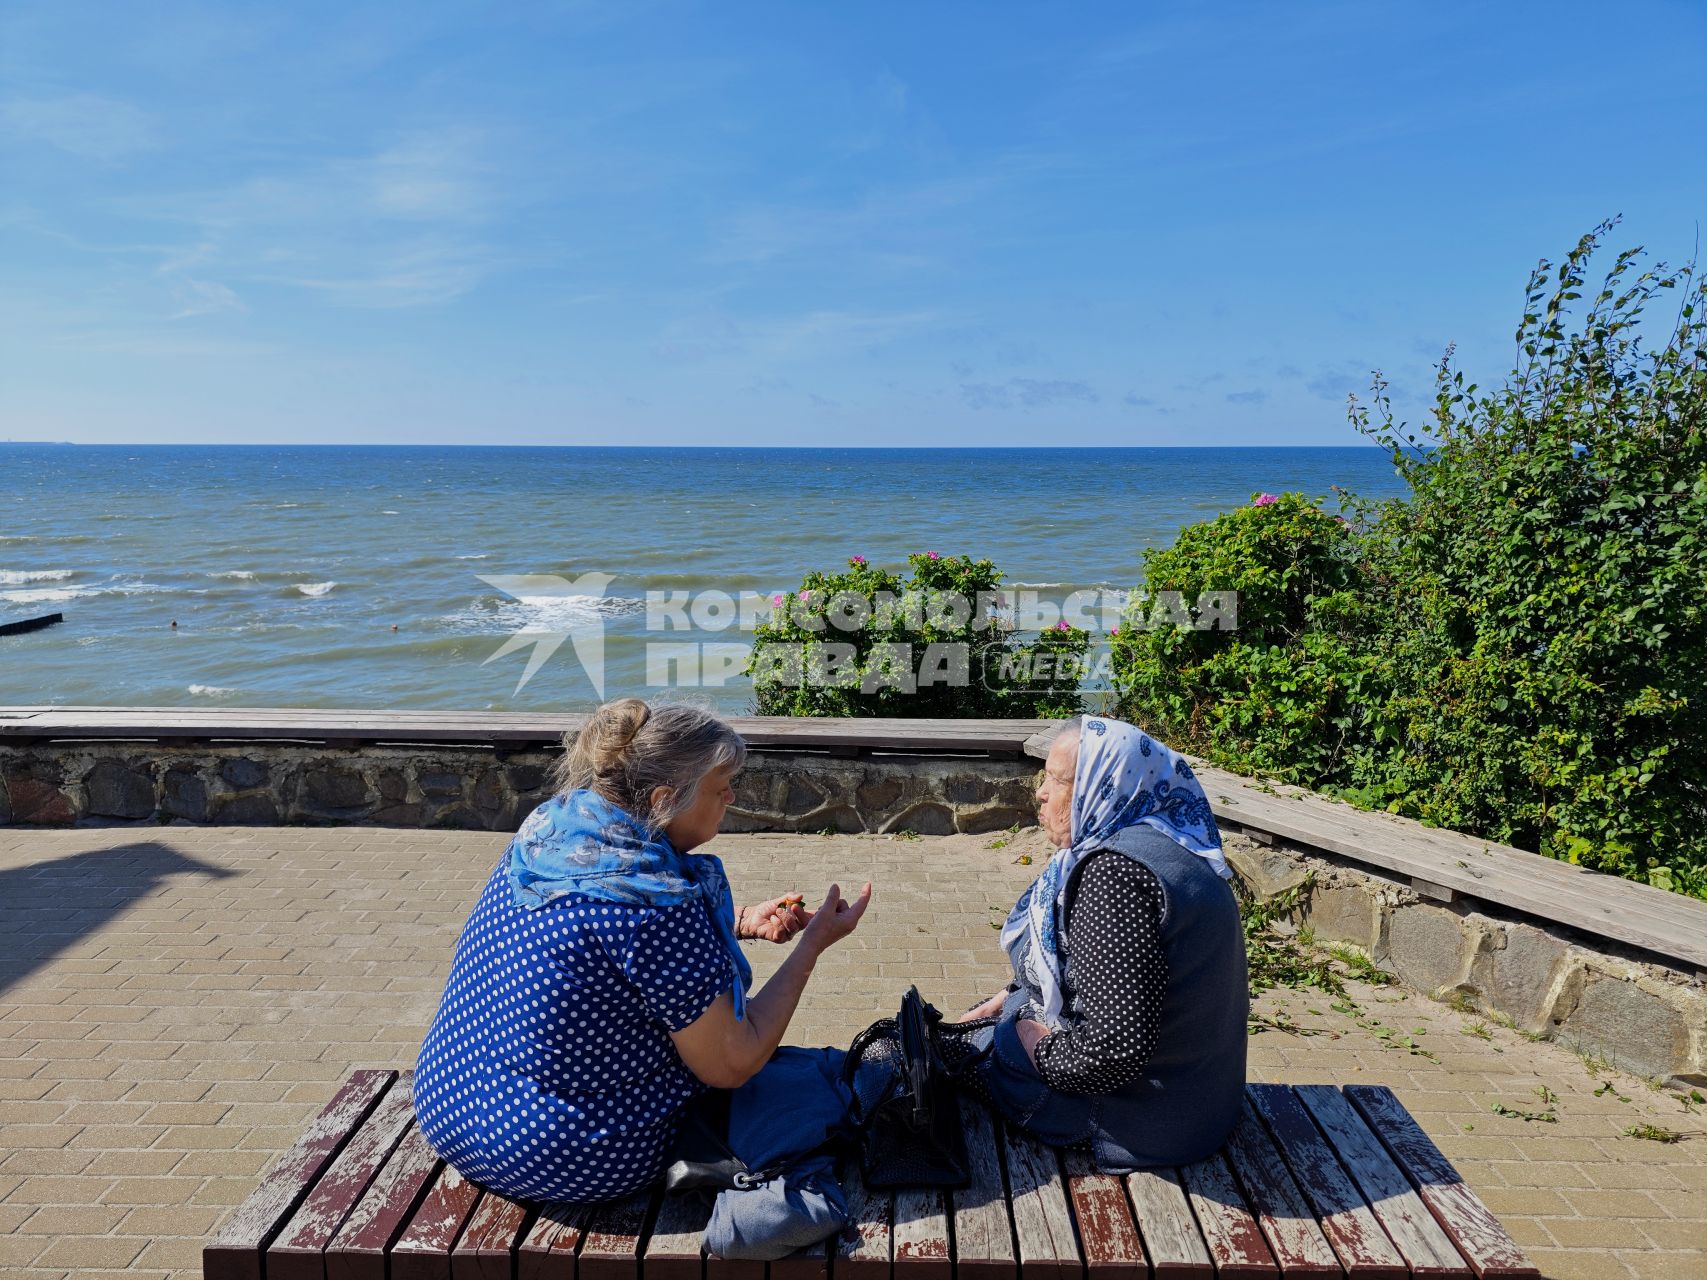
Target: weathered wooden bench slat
(1167, 1225)
(983, 1240)
(1043, 1224)
(810, 1263)
(1230, 1230)
(1390, 1194)
(862, 1251)
(611, 1250)
(358, 1251)
(673, 1250)
(1488, 1246)
(487, 1249)
(1345, 1217)
(1280, 1208)
(1107, 1234)
(548, 1248)
(920, 1234)
(297, 1253)
(1315, 1181)
(422, 1252)
(235, 1253)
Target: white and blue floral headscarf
(583, 844)
(1123, 778)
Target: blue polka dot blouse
(548, 1072)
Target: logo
(588, 640)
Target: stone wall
(58, 784)
(1606, 1002)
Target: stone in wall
(251, 809)
(244, 773)
(1424, 946)
(332, 791)
(37, 793)
(1514, 968)
(120, 789)
(184, 794)
(1619, 1017)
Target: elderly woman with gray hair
(599, 985)
(1124, 1028)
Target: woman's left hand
(775, 921)
(1030, 1033)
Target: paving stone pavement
(175, 1002)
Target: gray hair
(628, 748)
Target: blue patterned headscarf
(583, 844)
(1123, 778)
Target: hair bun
(611, 731)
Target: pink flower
(1062, 625)
(931, 555)
(777, 600)
(805, 595)
(1266, 500)
(1114, 631)
(856, 560)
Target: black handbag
(701, 1156)
(904, 1097)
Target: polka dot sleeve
(1119, 973)
(678, 964)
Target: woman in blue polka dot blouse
(599, 984)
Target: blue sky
(803, 223)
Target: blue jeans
(1020, 1095)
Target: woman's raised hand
(837, 918)
(775, 921)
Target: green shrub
(1278, 694)
(1515, 648)
(869, 642)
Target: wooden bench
(1316, 1181)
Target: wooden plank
(487, 1249)
(673, 1247)
(983, 1239)
(358, 1251)
(920, 1234)
(733, 1268)
(235, 1253)
(611, 1250)
(1346, 1219)
(1478, 1235)
(862, 1252)
(1287, 1222)
(296, 1253)
(422, 1252)
(1043, 1224)
(1626, 911)
(810, 1263)
(1108, 1235)
(1167, 1225)
(1392, 1198)
(547, 1251)
(1006, 737)
(1235, 1242)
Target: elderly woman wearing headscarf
(1125, 1026)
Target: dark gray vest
(1185, 1104)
